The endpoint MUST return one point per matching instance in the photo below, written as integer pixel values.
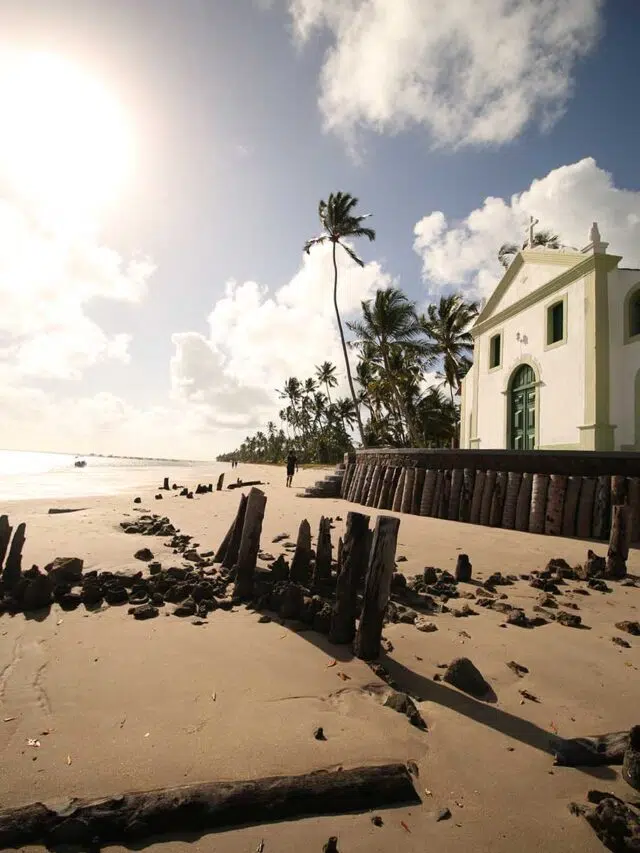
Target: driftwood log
(301, 562)
(250, 543)
(377, 587)
(231, 554)
(354, 558)
(428, 491)
(206, 807)
(476, 500)
(584, 519)
(619, 541)
(241, 484)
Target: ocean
(26, 475)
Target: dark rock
(187, 608)
(398, 582)
(599, 585)
(443, 814)
(407, 616)
(376, 820)
(519, 670)
(137, 500)
(517, 616)
(157, 599)
(264, 619)
(463, 568)
(559, 566)
(631, 762)
(145, 611)
(158, 497)
(139, 596)
(616, 824)
(65, 570)
(632, 628)
(547, 600)
(70, 601)
(225, 604)
(464, 675)
(322, 620)
(497, 579)
(319, 734)
(291, 601)
(620, 642)
(144, 554)
(155, 568)
(594, 567)
(201, 591)
(177, 573)
(331, 846)
(115, 595)
(569, 620)
(280, 569)
(37, 593)
(465, 610)
(544, 585)
(429, 575)
(91, 594)
(403, 704)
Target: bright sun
(64, 140)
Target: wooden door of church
(523, 409)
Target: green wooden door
(523, 409)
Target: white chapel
(556, 363)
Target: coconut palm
(447, 328)
(339, 222)
(389, 322)
(508, 251)
(326, 375)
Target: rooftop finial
(594, 234)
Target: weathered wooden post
(13, 567)
(457, 480)
(353, 563)
(538, 502)
(602, 507)
(250, 543)
(426, 500)
(418, 486)
(346, 480)
(373, 486)
(377, 587)
(619, 489)
(384, 501)
(322, 569)
(466, 494)
(165, 484)
(497, 501)
(511, 500)
(463, 568)
(378, 491)
(570, 511)
(487, 497)
(437, 494)
(619, 540)
(555, 504)
(5, 538)
(301, 562)
(523, 505)
(407, 491)
(230, 556)
(220, 482)
(396, 506)
(584, 520)
(476, 500)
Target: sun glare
(64, 141)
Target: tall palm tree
(388, 322)
(447, 327)
(326, 375)
(508, 251)
(338, 220)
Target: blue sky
(225, 103)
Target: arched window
(522, 409)
(634, 314)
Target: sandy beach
(120, 705)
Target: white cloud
(257, 339)
(469, 71)
(463, 255)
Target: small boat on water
(80, 463)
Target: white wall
(624, 361)
(560, 370)
(530, 278)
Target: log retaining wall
(563, 493)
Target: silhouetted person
(292, 466)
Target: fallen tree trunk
(241, 485)
(207, 807)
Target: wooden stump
(13, 567)
(437, 495)
(523, 504)
(384, 501)
(324, 550)
(538, 503)
(352, 483)
(445, 496)
(353, 563)
(463, 568)
(584, 522)
(378, 491)
(634, 503)
(165, 484)
(466, 494)
(619, 541)
(511, 500)
(5, 538)
(457, 478)
(250, 543)
(407, 490)
(570, 512)
(418, 486)
(377, 587)
(397, 498)
(220, 483)
(555, 504)
(602, 508)
(397, 473)
(619, 489)
(346, 480)
(476, 499)
(301, 562)
(364, 485)
(230, 556)
(428, 490)
(373, 486)
(487, 497)
(497, 502)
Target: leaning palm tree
(326, 375)
(338, 219)
(447, 327)
(508, 251)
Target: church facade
(556, 362)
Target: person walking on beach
(292, 467)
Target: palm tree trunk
(344, 346)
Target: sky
(161, 163)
